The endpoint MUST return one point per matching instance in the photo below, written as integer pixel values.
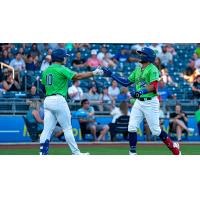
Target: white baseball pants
(56, 110)
(148, 109)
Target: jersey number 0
(49, 79)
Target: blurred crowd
(29, 60)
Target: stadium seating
(180, 60)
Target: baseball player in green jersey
(146, 105)
(55, 78)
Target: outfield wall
(13, 129)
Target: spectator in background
(78, 46)
(167, 78)
(106, 99)
(123, 95)
(21, 50)
(197, 117)
(178, 122)
(122, 56)
(102, 53)
(165, 56)
(163, 92)
(5, 57)
(116, 113)
(45, 63)
(61, 45)
(78, 61)
(138, 47)
(18, 62)
(38, 89)
(90, 121)
(34, 52)
(170, 49)
(10, 84)
(33, 115)
(108, 62)
(93, 96)
(49, 52)
(114, 90)
(158, 64)
(196, 88)
(93, 61)
(190, 72)
(75, 92)
(30, 65)
(43, 48)
(156, 47)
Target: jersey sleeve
(131, 78)
(43, 78)
(69, 74)
(154, 75)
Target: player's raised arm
(121, 80)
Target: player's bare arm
(85, 75)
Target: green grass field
(99, 149)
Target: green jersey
(55, 79)
(143, 78)
(197, 116)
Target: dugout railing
(20, 105)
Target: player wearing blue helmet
(146, 105)
(55, 78)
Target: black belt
(144, 99)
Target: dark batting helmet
(147, 55)
(58, 55)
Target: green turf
(99, 150)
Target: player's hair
(123, 106)
(83, 101)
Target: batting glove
(137, 94)
(107, 71)
(98, 72)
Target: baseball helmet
(147, 55)
(58, 55)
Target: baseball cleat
(131, 153)
(176, 145)
(87, 153)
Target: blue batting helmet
(147, 55)
(58, 55)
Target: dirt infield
(62, 145)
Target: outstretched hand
(98, 72)
(107, 71)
